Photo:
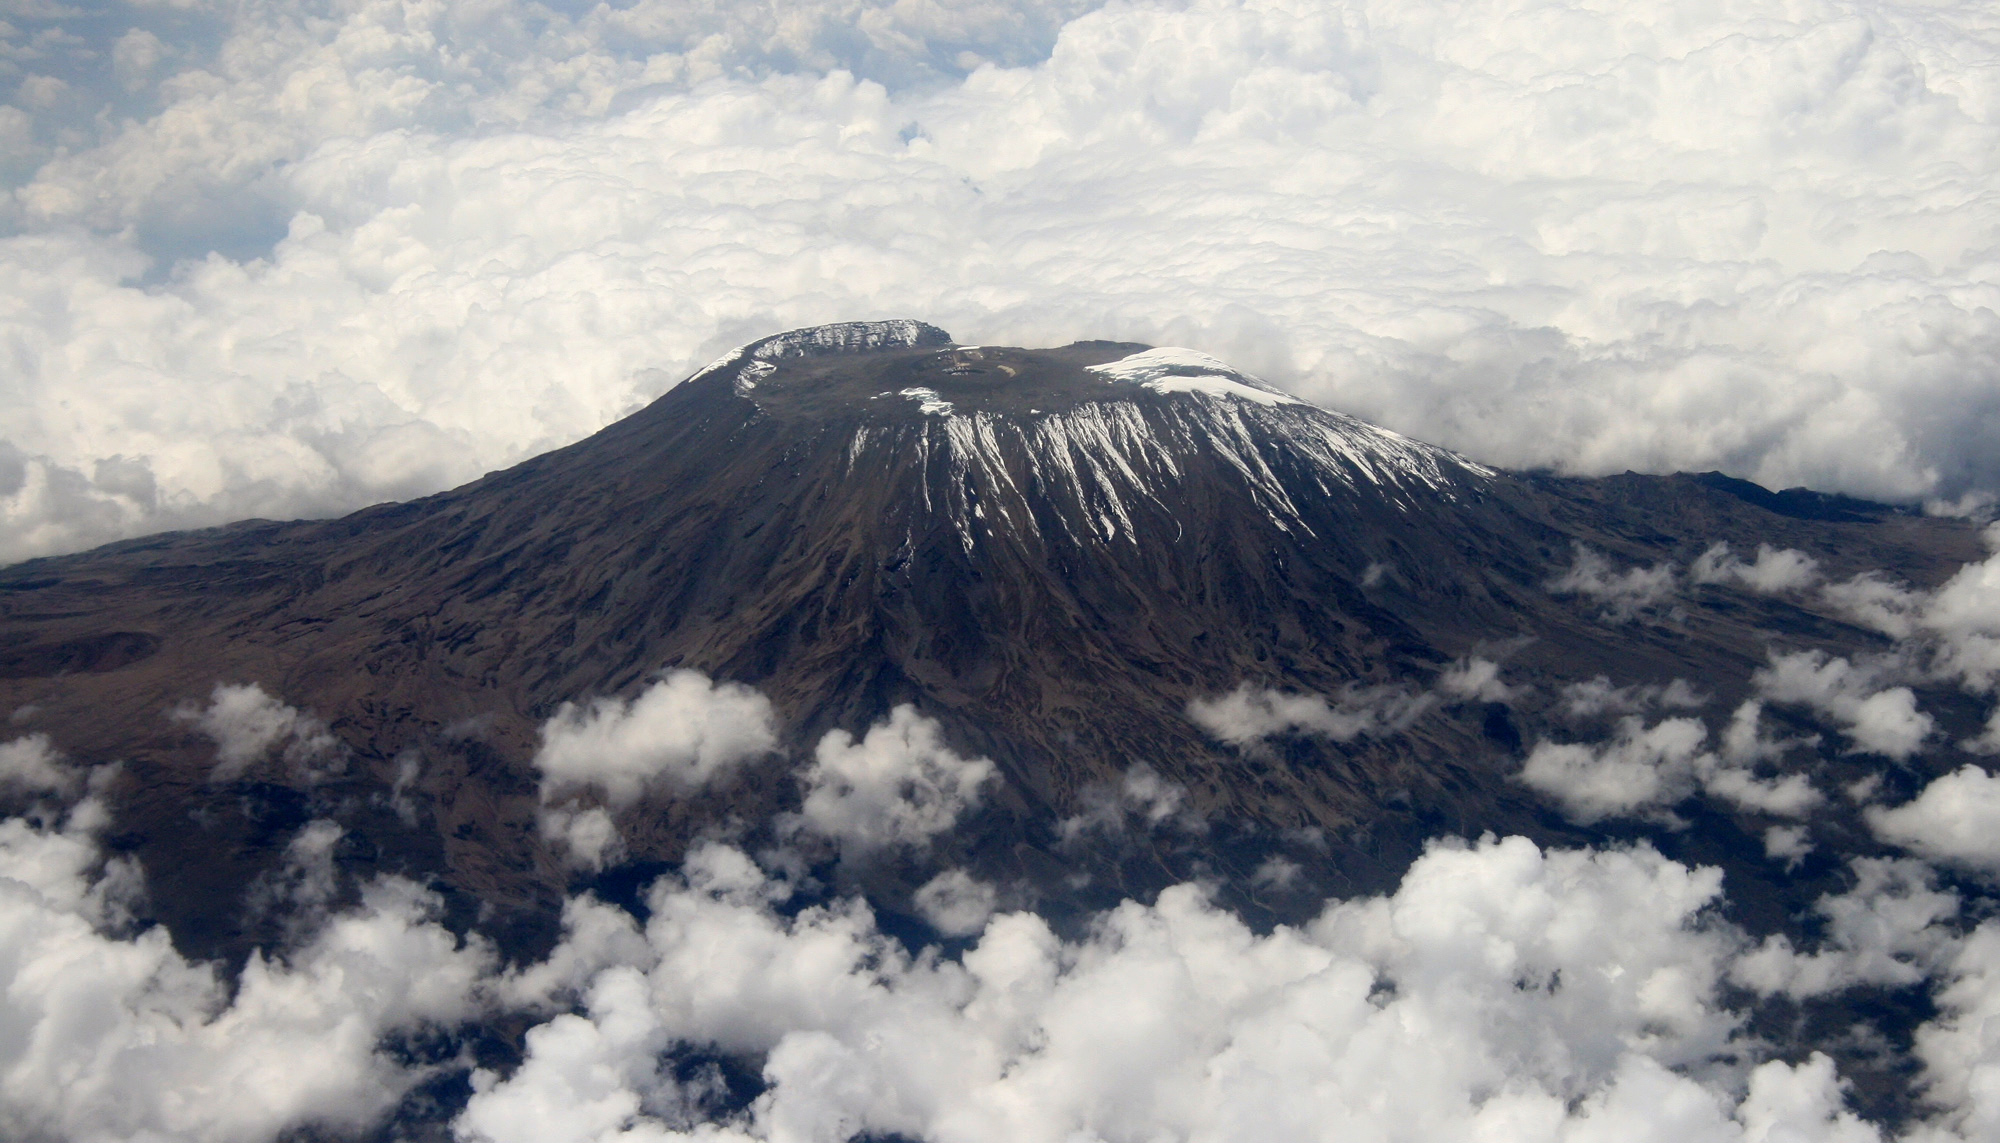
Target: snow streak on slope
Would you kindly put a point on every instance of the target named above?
(1100, 470)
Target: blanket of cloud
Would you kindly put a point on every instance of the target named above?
(1502, 992)
(278, 258)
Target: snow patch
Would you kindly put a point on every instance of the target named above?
(928, 401)
(1171, 369)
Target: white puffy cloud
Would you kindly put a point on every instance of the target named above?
(1880, 719)
(1886, 930)
(587, 834)
(1501, 992)
(1956, 819)
(1644, 769)
(1475, 679)
(680, 734)
(1961, 1056)
(116, 1036)
(1622, 595)
(1141, 797)
(247, 725)
(955, 903)
(32, 763)
(1964, 617)
(1776, 570)
(1957, 626)
(269, 259)
(1248, 714)
(307, 880)
(1597, 696)
(899, 785)
(1789, 844)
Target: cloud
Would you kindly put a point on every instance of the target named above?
(1890, 929)
(31, 763)
(1961, 1058)
(1880, 720)
(117, 1036)
(1776, 571)
(1956, 627)
(1955, 820)
(1645, 769)
(587, 835)
(1624, 595)
(1141, 797)
(1501, 988)
(955, 903)
(1248, 714)
(1789, 844)
(680, 734)
(265, 260)
(246, 725)
(300, 890)
(1597, 696)
(1475, 680)
(899, 785)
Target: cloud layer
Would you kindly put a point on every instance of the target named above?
(275, 259)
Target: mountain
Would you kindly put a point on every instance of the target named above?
(1052, 552)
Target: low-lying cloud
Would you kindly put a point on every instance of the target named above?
(114, 1035)
(680, 734)
(1501, 988)
(898, 785)
(251, 727)
(271, 260)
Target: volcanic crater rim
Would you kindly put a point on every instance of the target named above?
(909, 383)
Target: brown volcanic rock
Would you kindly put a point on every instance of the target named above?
(1052, 560)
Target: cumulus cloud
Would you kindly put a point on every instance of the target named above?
(1500, 988)
(1888, 929)
(1960, 1055)
(1248, 714)
(117, 1036)
(1789, 844)
(588, 836)
(1475, 679)
(1880, 719)
(32, 763)
(1645, 769)
(899, 785)
(306, 882)
(1775, 571)
(1956, 627)
(680, 733)
(275, 259)
(1642, 767)
(1597, 696)
(1141, 798)
(247, 725)
(1623, 595)
(1956, 819)
(955, 903)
